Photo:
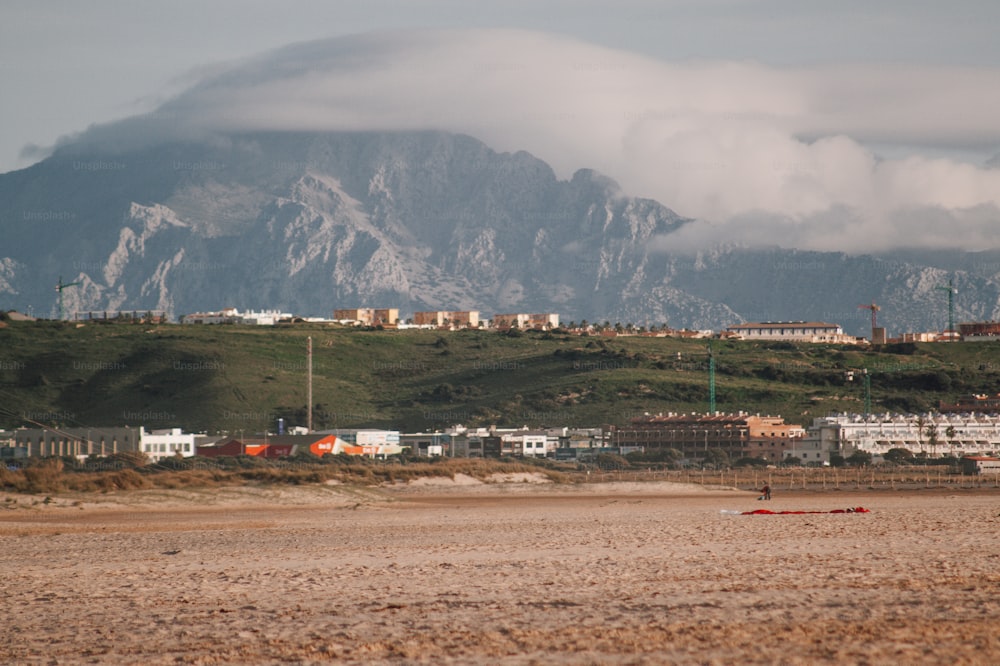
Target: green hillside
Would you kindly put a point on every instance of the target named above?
(232, 378)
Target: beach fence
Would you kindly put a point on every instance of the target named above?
(825, 478)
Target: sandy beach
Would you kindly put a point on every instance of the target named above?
(503, 573)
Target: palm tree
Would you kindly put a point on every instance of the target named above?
(921, 423)
(949, 432)
(932, 437)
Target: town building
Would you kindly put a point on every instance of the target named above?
(980, 465)
(693, 436)
(234, 316)
(468, 442)
(370, 443)
(933, 435)
(975, 403)
(9, 450)
(988, 331)
(792, 331)
(167, 443)
(428, 444)
(78, 442)
(544, 322)
(447, 319)
(367, 316)
(926, 336)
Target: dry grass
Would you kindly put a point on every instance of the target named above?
(52, 475)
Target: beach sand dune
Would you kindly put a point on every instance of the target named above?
(512, 573)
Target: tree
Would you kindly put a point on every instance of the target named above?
(859, 459)
(921, 424)
(898, 455)
(949, 433)
(932, 437)
(717, 458)
(610, 461)
(750, 461)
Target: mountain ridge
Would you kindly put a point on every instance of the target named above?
(308, 222)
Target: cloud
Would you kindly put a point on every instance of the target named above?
(760, 154)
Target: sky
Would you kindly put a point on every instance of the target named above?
(843, 126)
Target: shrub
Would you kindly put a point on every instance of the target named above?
(125, 479)
(46, 477)
(13, 480)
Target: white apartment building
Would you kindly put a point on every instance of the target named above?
(542, 321)
(792, 331)
(234, 316)
(167, 443)
(935, 435)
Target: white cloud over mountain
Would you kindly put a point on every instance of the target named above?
(761, 154)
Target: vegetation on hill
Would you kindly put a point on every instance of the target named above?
(243, 378)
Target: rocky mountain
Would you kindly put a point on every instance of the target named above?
(308, 222)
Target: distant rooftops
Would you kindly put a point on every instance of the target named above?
(785, 325)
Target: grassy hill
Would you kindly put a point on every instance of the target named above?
(233, 378)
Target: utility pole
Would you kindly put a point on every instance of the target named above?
(309, 384)
(711, 380)
(868, 392)
(867, 382)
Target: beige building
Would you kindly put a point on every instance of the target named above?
(740, 435)
(368, 316)
(446, 319)
(78, 442)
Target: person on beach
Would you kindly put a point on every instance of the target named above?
(765, 492)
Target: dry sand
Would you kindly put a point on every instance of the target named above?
(504, 573)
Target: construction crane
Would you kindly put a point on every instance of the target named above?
(60, 286)
(951, 306)
(874, 308)
(711, 379)
(867, 380)
(711, 375)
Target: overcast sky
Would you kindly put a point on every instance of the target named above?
(781, 118)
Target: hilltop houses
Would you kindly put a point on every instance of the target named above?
(792, 331)
(543, 322)
(447, 320)
(234, 316)
(386, 317)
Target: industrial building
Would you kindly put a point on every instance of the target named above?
(78, 442)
